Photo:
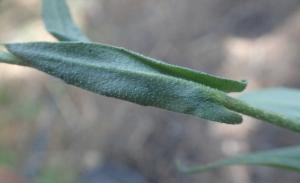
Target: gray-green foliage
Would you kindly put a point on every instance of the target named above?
(123, 74)
(120, 73)
(198, 93)
(288, 158)
(280, 100)
(59, 23)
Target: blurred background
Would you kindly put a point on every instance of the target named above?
(52, 132)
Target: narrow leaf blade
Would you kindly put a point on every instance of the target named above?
(280, 100)
(286, 158)
(123, 74)
(59, 23)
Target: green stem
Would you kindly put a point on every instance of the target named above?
(270, 117)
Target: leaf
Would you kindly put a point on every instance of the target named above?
(123, 74)
(286, 158)
(59, 22)
(280, 100)
(6, 57)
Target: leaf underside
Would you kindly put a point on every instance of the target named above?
(123, 74)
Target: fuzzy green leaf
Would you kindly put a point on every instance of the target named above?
(286, 158)
(123, 74)
(280, 100)
(59, 22)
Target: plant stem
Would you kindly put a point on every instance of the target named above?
(268, 116)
